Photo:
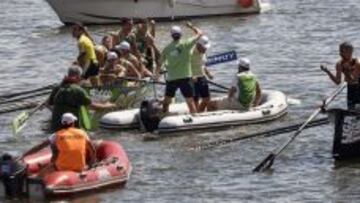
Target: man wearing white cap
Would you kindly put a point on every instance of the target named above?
(201, 73)
(125, 50)
(112, 70)
(176, 57)
(245, 91)
(70, 147)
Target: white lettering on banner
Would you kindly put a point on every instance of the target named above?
(350, 130)
(221, 58)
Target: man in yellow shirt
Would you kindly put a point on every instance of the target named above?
(87, 57)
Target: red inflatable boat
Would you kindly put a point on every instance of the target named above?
(113, 168)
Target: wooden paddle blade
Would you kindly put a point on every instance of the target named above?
(19, 122)
(265, 164)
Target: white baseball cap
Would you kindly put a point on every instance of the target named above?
(124, 45)
(204, 42)
(111, 55)
(244, 62)
(68, 118)
(175, 30)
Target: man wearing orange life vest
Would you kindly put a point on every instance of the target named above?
(70, 147)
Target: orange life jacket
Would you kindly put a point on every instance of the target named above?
(71, 146)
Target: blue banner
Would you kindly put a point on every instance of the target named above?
(221, 58)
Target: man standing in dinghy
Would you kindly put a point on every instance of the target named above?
(201, 73)
(70, 97)
(245, 91)
(71, 148)
(350, 67)
(177, 59)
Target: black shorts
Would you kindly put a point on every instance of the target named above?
(201, 87)
(93, 70)
(186, 87)
(353, 95)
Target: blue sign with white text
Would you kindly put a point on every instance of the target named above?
(221, 58)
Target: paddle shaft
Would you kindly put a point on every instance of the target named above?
(38, 107)
(163, 83)
(267, 133)
(218, 85)
(268, 161)
(25, 97)
(27, 92)
(19, 106)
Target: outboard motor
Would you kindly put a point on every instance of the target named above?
(13, 176)
(151, 114)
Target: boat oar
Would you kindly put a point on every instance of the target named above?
(47, 87)
(24, 97)
(19, 106)
(218, 85)
(19, 121)
(267, 133)
(163, 83)
(269, 160)
(142, 80)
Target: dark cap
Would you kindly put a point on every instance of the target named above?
(126, 21)
(346, 45)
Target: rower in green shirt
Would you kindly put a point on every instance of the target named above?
(245, 90)
(176, 57)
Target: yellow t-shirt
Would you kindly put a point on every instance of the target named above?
(86, 46)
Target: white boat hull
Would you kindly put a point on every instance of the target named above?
(274, 106)
(110, 11)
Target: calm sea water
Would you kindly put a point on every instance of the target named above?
(286, 46)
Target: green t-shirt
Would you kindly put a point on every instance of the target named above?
(197, 62)
(177, 59)
(67, 98)
(246, 88)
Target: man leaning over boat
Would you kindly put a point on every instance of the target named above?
(69, 96)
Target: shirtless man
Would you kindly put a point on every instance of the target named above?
(112, 69)
(350, 68)
(124, 48)
(126, 33)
